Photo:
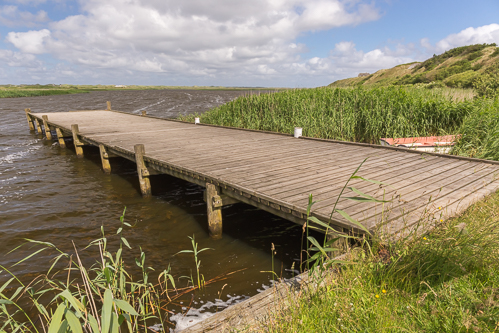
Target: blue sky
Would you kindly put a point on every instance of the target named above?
(289, 43)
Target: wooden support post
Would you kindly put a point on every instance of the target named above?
(341, 243)
(78, 144)
(38, 127)
(30, 121)
(60, 137)
(106, 166)
(144, 113)
(108, 106)
(46, 127)
(214, 208)
(145, 183)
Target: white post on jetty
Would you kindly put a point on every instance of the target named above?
(298, 132)
(196, 120)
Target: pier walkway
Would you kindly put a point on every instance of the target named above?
(277, 172)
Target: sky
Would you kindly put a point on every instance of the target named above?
(264, 43)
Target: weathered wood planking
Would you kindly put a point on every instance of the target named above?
(277, 172)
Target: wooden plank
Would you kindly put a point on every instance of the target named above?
(334, 173)
(229, 159)
(431, 200)
(358, 211)
(407, 183)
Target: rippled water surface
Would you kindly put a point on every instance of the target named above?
(47, 194)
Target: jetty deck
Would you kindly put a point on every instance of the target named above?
(277, 172)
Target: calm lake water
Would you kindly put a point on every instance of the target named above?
(47, 194)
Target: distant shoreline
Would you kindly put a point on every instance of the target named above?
(11, 91)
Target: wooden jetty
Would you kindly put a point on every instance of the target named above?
(277, 172)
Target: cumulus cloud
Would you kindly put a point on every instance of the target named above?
(29, 42)
(194, 37)
(484, 34)
(218, 41)
(18, 59)
(11, 16)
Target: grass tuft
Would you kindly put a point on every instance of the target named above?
(444, 281)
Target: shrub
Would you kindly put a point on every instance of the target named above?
(487, 85)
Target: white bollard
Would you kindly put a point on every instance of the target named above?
(196, 120)
(298, 131)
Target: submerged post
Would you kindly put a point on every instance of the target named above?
(30, 121)
(144, 113)
(145, 183)
(78, 144)
(38, 127)
(104, 156)
(60, 137)
(108, 106)
(214, 208)
(46, 126)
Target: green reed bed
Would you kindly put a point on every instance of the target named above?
(361, 115)
(12, 93)
(480, 131)
(444, 281)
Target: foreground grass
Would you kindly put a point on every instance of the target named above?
(443, 281)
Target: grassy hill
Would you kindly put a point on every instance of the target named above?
(461, 67)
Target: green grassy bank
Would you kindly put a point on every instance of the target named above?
(366, 115)
(9, 91)
(444, 281)
(12, 93)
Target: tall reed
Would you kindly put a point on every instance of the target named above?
(361, 115)
(479, 133)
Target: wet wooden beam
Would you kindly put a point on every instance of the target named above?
(30, 121)
(214, 208)
(78, 144)
(60, 137)
(104, 156)
(145, 183)
(46, 127)
(38, 127)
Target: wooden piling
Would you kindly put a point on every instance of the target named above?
(30, 121)
(60, 137)
(108, 106)
(214, 208)
(144, 113)
(341, 244)
(38, 127)
(106, 166)
(46, 127)
(78, 144)
(145, 184)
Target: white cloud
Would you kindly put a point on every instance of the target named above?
(29, 42)
(210, 38)
(11, 16)
(484, 34)
(18, 59)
